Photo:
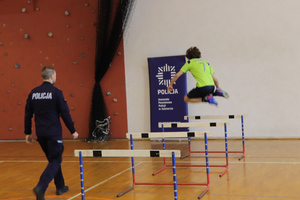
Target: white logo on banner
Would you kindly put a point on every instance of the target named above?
(160, 75)
(169, 71)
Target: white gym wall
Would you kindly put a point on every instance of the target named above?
(253, 46)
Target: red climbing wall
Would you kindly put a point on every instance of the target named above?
(62, 34)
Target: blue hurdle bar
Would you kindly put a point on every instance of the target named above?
(174, 176)
(81, 176)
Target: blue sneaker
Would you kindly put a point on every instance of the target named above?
(221, 93)
(210, 99)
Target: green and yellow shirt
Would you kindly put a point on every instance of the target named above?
(201, 71)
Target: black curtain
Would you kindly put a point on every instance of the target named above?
(113, 16)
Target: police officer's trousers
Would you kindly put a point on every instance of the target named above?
(53, 150)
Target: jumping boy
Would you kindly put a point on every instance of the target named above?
(207, 84)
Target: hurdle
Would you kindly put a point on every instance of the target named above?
(130, 153)
(164, 135)
(220, 117)
(200, 124)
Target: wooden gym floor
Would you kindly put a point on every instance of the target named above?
(270, 170)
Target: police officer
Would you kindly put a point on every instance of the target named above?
(47, 103)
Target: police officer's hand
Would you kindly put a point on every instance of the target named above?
(75, 135)
(170, 88)
(29, 139)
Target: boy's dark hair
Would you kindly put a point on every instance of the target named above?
(193, 52)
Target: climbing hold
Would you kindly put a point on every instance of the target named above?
(10, 129)
(50, 34)
(83, 55)
(23, 10)
(68, 25)
(86, 4)
(71, 95)
(67, 13)
(26, 36)
(1, 43)
(116, 113)
(119, 53)
(13, 85)
(115, 100)
(5, 54)
(80, 85)
(82, 38)
(108, 93)
(17, 66)
(75, 62)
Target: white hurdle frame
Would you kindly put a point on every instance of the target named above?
(201, 124)
(198, 117)
(129, 153)
(164, 135)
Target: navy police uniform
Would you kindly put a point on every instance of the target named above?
(47, 103)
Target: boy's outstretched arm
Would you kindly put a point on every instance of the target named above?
(215, 81)
(170, 88)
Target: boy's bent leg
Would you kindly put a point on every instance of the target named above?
(221, 93)
(192, 100)
(210, 99)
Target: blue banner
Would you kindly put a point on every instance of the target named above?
(167, 106)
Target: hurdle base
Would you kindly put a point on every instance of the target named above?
(120, 194)
(182, 157)
(171, 184)
(157, 172)
(242, 156)
(203, 193)
(224, 172)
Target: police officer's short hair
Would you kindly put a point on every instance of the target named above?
(47, 72)
(193, 52)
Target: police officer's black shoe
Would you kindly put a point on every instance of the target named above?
(39, 193)
(63, 190)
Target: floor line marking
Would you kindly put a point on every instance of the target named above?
(104, 181)
(178, 162)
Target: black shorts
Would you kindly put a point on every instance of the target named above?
(201, 92)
